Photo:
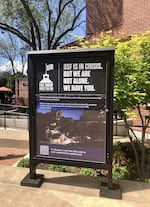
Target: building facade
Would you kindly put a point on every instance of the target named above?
(21, 91)
(124, 17)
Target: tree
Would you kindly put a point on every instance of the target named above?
(3, 80)
(11, 51)
(131, 86)
(8, 51)
(132, 91)
(8, 80)
(41, 24)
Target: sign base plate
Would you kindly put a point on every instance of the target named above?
(114, 192)
(32, 182)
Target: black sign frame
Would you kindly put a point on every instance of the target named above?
(105, 54)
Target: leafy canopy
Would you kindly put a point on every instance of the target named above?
(43, 24)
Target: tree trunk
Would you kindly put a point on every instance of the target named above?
(137, 156)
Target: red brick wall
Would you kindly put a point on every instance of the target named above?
(136, 16)
(125, 16)
(137, 120)
(103, 15)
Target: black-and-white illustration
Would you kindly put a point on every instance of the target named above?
(46, 85)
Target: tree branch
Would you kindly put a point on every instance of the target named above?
(137, 160)
(49, 24)
(72, 27)
(16, 32)
(33, 21)
(33, 37)
(60, 12)
(139, 111)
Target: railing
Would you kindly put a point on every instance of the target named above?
(119, 127)
(14, 116)
(17, 116)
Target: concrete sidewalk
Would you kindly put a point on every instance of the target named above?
(58, 189)
(66, 190)
(14, 134)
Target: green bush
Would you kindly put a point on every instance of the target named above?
(120, 172)
(88, 172)
(24, 163)
(123, 157)
(60, 168)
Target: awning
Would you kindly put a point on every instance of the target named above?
(5, 89)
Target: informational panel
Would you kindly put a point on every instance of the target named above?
(68, 97)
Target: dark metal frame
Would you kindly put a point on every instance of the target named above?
(32, 179)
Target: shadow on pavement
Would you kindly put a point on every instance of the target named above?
(11, 156)
(94, 182)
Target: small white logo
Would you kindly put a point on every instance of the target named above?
(46, 84)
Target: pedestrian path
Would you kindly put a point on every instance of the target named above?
(14, 134)
(66, 190)
(58, 189)
(9, 156)
(14, 144)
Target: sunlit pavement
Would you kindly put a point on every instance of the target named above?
(66, 190)
(14, 144)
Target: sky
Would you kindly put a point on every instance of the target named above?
(5, 66)
(4, 63)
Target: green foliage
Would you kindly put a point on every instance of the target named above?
(60, 168)
(123, 156)
(123, 164)
(132, 72)
(121, 173)
(148, 180)
(132, 67)
(24, 163)
(3, 81)
(131, 83)
(105, 39)
(8, 80)
(88, 172)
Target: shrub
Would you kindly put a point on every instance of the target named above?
(24, 163)
(60, 168)
(88, 172)
(123, 157)
(121, 172)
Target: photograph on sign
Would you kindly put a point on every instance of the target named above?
(71, 133)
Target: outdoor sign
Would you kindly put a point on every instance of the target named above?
(70, 100)
(71, 112)
(70, 90)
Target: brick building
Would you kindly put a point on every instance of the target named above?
(137, 119)
(21, 91)
(120, 16)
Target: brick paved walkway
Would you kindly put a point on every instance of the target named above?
(9, 156)
(13, 145)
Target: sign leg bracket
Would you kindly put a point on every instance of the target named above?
(36, 181)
